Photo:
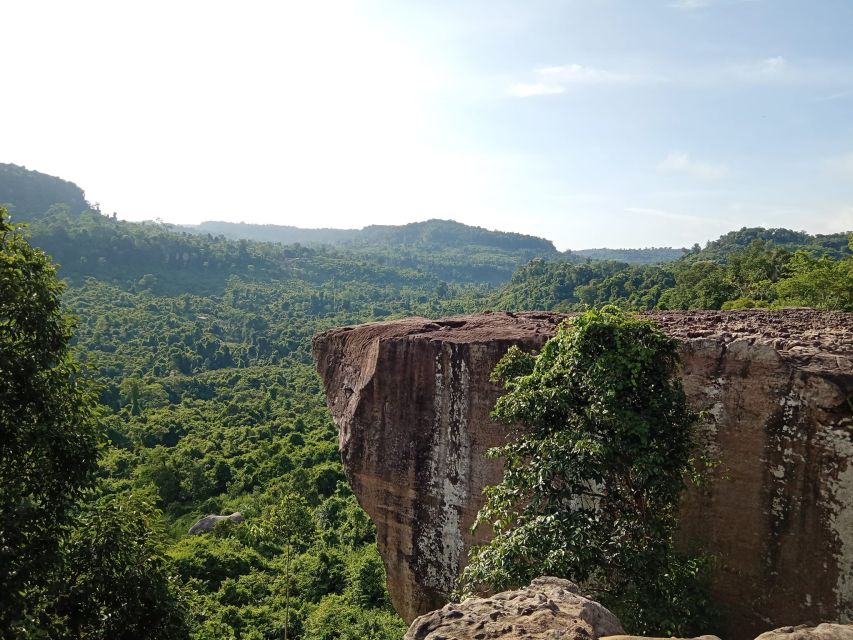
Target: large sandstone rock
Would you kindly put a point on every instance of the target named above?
(549, 608)
(412, 400)
(823, 631)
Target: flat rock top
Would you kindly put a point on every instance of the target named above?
(478, 327)
(802, 332)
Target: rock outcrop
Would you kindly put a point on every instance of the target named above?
(825, 631)
(412, 400)
(207, 523)
(549, 608)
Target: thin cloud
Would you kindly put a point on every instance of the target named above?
(680, 162)
(558, 79)
(689, 5)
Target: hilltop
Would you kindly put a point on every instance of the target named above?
(28, 194)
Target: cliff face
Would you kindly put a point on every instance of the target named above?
(412, 400)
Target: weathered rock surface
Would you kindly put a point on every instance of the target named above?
(650, 638)
(549, 608)
(823, 631)
(208, 522)
(412, 400)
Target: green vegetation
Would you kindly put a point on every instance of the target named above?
(29, 194)
(71, 565)
(651, 255)
(729, 274)
(445, 249)
(600, 446)
(209, 402)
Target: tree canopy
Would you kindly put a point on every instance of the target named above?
(49, 437)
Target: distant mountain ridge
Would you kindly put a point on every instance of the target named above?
(434, 232)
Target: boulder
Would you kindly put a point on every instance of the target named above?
(208, 522)
(825, 631)
(548, 608)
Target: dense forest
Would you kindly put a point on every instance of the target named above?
(198, 348)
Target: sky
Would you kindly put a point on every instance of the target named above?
(620, 123)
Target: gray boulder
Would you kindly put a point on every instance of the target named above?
(208, 522)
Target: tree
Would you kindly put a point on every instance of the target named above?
(600, 445)
(819, 282)
(287, 523)
(115, 582)
(49, 437)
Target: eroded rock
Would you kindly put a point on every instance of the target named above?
(825, 631)
(412, 400)
(548, 608)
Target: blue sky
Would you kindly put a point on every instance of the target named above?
(618, 123)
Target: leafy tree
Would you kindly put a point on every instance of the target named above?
(336, 618)
(115, 583)
(287, 523)
(49, 436)
(819, 282)
(601, 440)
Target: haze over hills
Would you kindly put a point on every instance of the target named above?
(31, 194)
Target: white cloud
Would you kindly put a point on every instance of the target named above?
(680, 162)
(690, 5)
(775, 64)
(558, 79)
(580, 74)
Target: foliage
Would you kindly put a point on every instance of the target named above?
(115, 582)
(49, 436)
(725, 275)
(817, 282)
(601, 439)
(649, 255)
(448, 250)
(210, 401)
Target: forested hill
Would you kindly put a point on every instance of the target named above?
(746, 268)
(430, 234)
(834, 245)
(28, 195)
(449, 250)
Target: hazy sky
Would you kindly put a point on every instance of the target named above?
(590, 122)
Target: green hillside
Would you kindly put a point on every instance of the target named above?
(746, 268)
(29, 194)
